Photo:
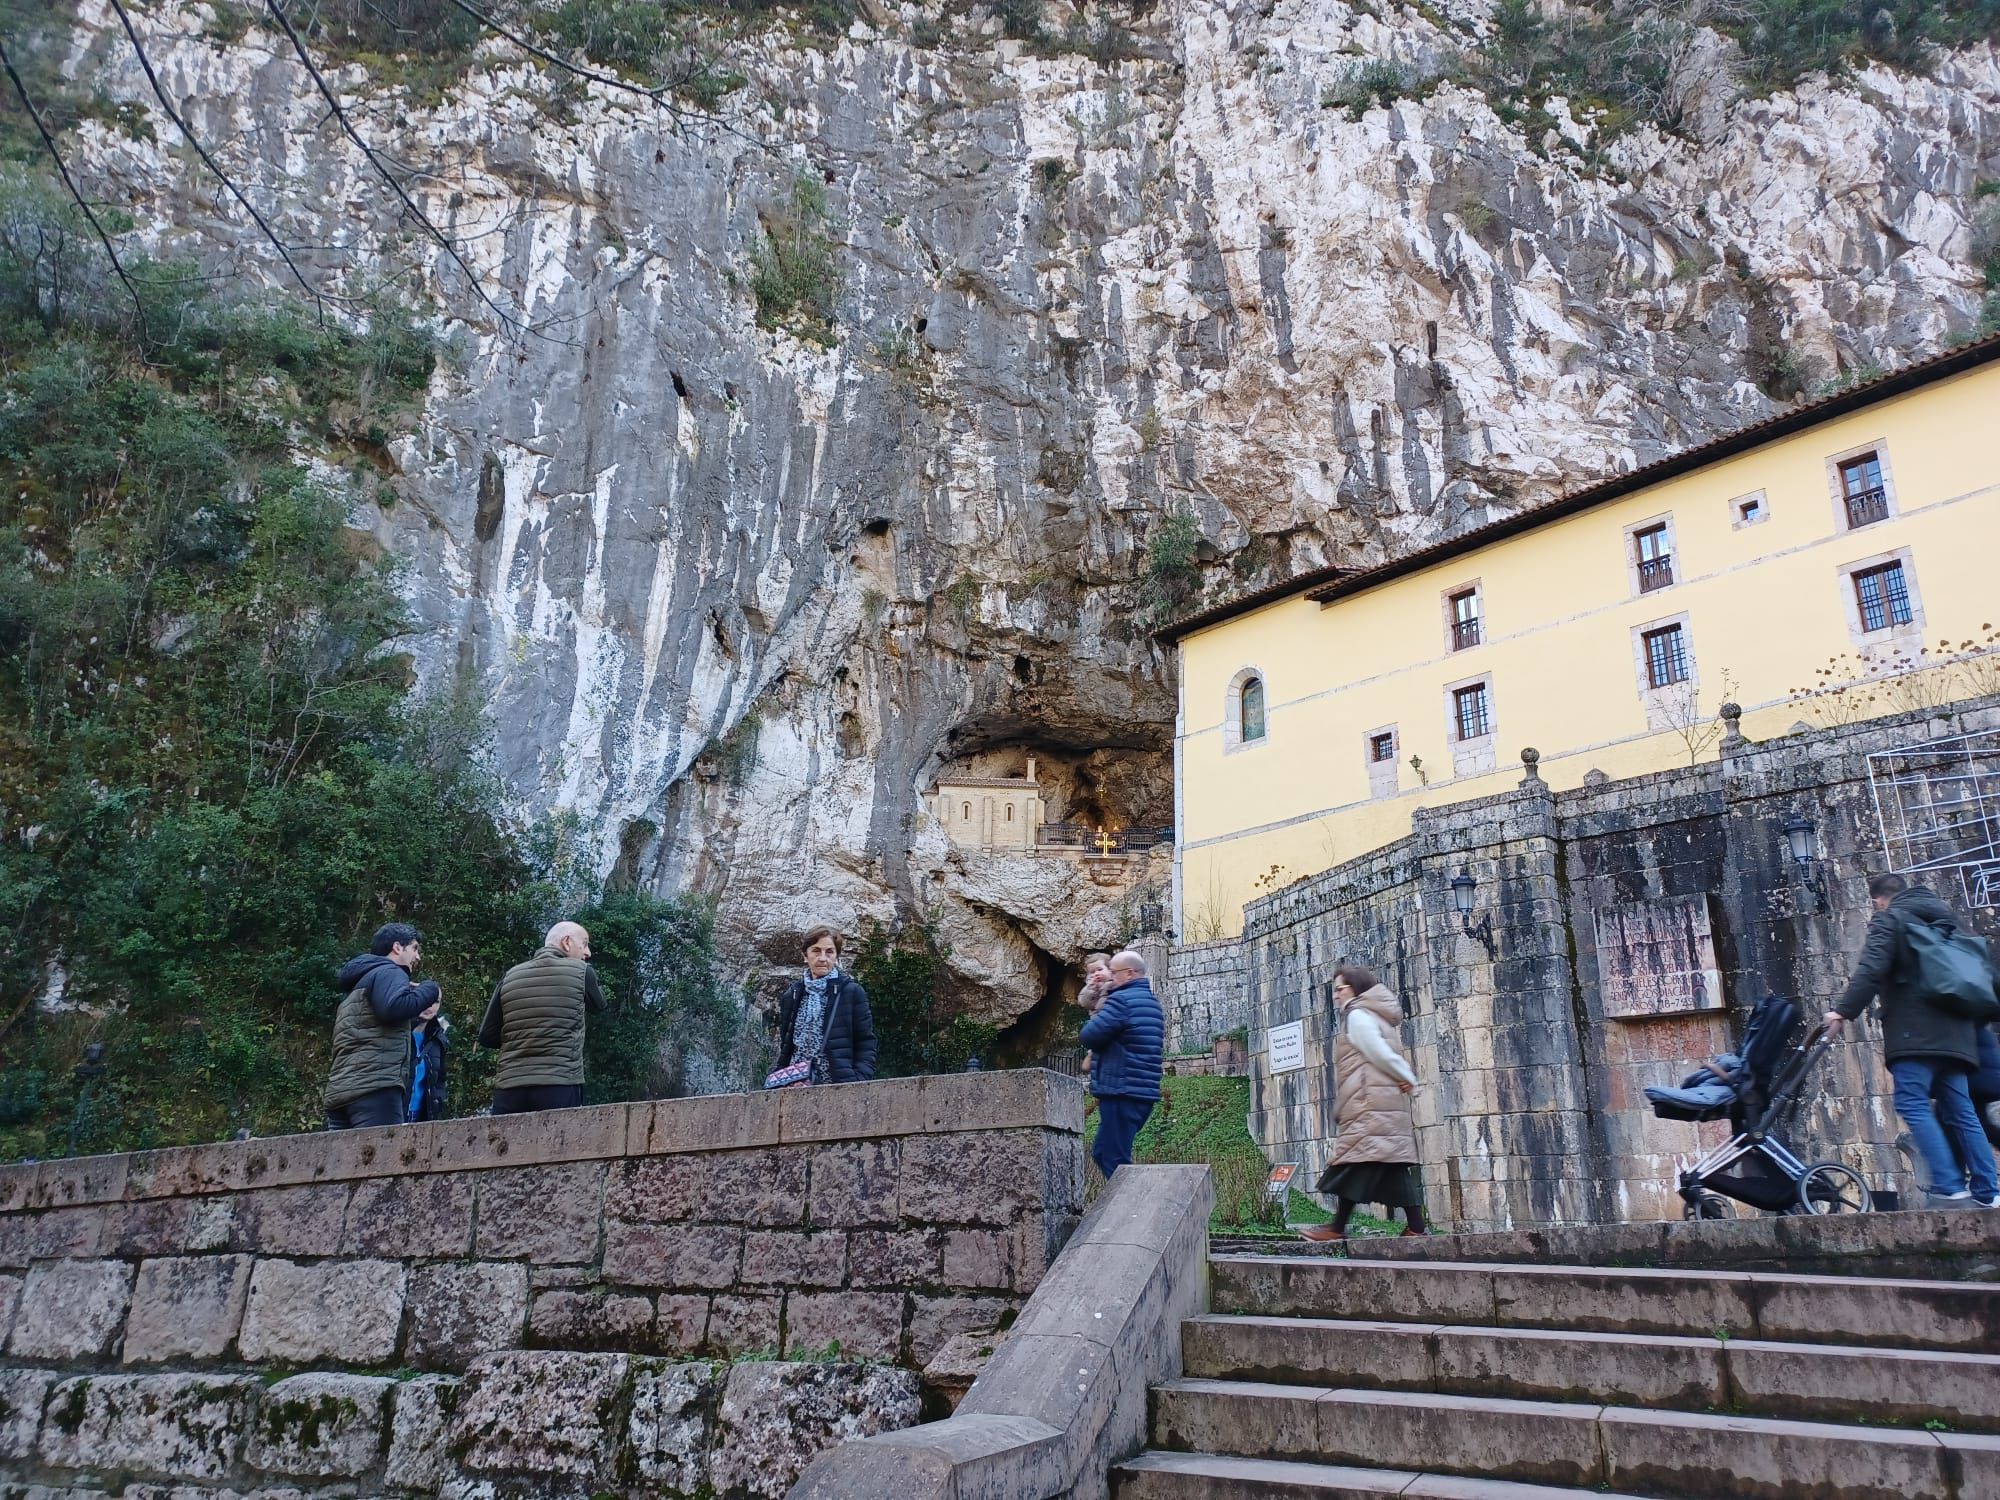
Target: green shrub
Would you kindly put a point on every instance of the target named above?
(793, 276)
(214, 779)
(918, 1027)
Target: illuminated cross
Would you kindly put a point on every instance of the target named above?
(1105, 843)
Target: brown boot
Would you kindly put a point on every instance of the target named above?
(1411, 1232)
(1321, 1234)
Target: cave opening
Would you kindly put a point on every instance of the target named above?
(1048, 1026)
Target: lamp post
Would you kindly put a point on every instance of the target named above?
(1802, 844)
(1463, 890)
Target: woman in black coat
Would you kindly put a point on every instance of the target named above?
(825, 1018)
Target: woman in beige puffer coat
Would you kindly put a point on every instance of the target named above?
(1374, 1156)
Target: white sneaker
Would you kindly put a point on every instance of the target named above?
(1993, 1202)
(1958, 1200)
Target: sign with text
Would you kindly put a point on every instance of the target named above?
(1657, 958)
(1288, 1047)
(1280, 1181)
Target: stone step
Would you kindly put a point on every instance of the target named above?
(1945, 1315)
(1759, 1377)
(1155, 1475)
(1575, 1444)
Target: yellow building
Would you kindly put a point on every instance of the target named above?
(1839, 560)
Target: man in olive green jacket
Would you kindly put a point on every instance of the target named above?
(536, 1020)
(369, 1081)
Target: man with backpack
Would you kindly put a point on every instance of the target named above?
(1936, 985)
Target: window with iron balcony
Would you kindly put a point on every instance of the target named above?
(1862, 488)
(1469, 714)
(1655, 558)
(1464, 619)
(1883, 597)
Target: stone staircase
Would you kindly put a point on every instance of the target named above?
(1323, 1379)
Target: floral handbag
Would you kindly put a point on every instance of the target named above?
(791, 1076)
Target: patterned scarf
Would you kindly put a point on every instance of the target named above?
(809, 1029)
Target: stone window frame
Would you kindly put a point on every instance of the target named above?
(1837, 491)
(1738, 521)
(1232, 711)
(1383, 775)
(1907, 638)
(1631, 545)
(1475, 587)
(1477, 755)
(1672, 706)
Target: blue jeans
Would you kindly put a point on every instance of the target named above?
(1119, 1121)
(1949, 1127)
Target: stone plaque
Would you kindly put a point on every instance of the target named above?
(1288, 1046)
(1657, 958)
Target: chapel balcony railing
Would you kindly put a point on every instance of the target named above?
(1098, 841)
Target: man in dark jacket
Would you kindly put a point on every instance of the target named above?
(536, 1020)
(369, 1080)
(1127, 1040)
(1929, 1049)
(825, 1018)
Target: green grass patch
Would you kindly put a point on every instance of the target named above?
(1205, 1119)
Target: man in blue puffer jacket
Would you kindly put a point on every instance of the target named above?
(1127, 1039)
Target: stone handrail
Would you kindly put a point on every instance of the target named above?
(1065, 1394)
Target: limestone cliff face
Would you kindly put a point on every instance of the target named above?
(735, 597)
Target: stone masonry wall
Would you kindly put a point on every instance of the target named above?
(557, 1304)
(1205, 994)
(1533, 1110)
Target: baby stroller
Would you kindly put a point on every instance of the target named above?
(1758, 1091)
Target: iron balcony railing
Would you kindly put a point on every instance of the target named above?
(1867, 506)
(1464, 633)
(1116, 841)
(1655, 573)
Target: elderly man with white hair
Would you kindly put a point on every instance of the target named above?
(1127, 1041)
(536, 1020)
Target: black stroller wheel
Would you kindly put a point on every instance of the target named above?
(1828, 1187)
(1708, 1206)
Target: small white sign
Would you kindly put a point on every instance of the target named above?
(1288, 1047)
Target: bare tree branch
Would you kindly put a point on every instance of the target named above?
(382, 170)
(62, 167)
(188, 135)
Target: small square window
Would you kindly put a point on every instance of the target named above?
(1666, 656)
(1381, 748)
(1653, 549)
(1470, 713)
(1883, 596)
(1751, 509)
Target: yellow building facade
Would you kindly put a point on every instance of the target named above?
(1837, 561)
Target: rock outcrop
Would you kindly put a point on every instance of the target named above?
(734, 594)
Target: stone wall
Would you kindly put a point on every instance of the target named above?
(1534, 1055)
(558, 1301)
(1206, 993)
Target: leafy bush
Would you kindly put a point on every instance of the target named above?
(1173, 573)
(793, 276)
(214, 781)
(917, 1027)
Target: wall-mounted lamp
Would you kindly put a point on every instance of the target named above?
(1463, 889)
(1802, 844)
